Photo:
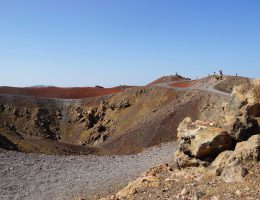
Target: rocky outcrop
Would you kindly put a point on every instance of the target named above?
(226, 150)
(242, 120)
(229, 164)
(244, 152)
(210, 142)
(120, 105)
(47, 121)
(213, 155)
(200, 140)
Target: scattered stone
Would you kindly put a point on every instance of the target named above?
(184, 192)
(165, 190)
(238, 192)
(79, 115)
(183, 161)
(82, 120)
(132, 187)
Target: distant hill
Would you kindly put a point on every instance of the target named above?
(60, 93)
(167, 79)
(38, 86)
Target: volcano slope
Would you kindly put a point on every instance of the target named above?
(116, 123)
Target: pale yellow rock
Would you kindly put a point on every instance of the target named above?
(209, 142)
(132, 187)
(222, 159)
(228, 164)
(238, 192)
(248, 150)
(187, 128)
(184, 192)
(243, 117)
(201, 139)
(244, 151)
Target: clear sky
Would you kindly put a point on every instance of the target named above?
(113, 42)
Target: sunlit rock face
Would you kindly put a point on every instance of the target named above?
(243, 117)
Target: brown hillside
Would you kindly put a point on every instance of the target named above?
(167, 79)
(120, 123)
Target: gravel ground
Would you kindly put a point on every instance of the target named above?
(32, 176)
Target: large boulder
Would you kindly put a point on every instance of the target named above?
(187, 128)
(200, 142)
(241, 125)
(209, 142)
(229, 164)
(248, 150)
(244, 151)
(203, 139)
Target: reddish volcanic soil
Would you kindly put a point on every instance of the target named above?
(57, 92)
(182, 84)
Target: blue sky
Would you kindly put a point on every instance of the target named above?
(113, 42)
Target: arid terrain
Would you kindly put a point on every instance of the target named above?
(88, 143)
(56, 121)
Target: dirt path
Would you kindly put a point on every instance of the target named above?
(32, 176)
(208, 87)
(212, 90)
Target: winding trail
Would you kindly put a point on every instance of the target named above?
(32, 176)
(202, 87)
